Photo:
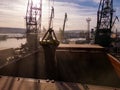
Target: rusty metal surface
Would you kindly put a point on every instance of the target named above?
(115, 63)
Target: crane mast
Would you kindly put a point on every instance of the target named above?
(33, 23)
(104, 23)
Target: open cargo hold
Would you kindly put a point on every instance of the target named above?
(74, 63)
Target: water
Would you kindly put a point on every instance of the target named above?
(12, 43)
(13, 35)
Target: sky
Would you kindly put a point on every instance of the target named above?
(12, 13)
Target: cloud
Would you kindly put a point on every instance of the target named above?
(96, 1)
(77, 10)
(77, 15)
(12, 13)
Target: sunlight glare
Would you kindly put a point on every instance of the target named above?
(36, 3)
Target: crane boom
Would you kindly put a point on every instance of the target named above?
(63, 31)
(65, 19)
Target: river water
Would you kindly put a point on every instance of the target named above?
(11, 43)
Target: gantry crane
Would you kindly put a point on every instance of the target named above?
(33, 22)
(105, 22)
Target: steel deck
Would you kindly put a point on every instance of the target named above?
(17, 83)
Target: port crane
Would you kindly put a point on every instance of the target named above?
(105, 23)
(62, 31)
(33, 23)
(64, 23)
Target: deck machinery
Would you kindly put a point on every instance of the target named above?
(105, 22)
(33, 23)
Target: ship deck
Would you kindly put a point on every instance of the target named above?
(18, 83)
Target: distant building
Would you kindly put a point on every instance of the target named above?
(75, 34)
(78, 36)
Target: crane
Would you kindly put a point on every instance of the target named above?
(105, 16)
(62, 31)
(33, 22)
(50, 34)
(65, 19)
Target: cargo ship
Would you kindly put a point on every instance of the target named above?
(50, 65)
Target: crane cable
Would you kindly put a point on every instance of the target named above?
(51, 10)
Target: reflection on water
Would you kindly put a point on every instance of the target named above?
(12, 43)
